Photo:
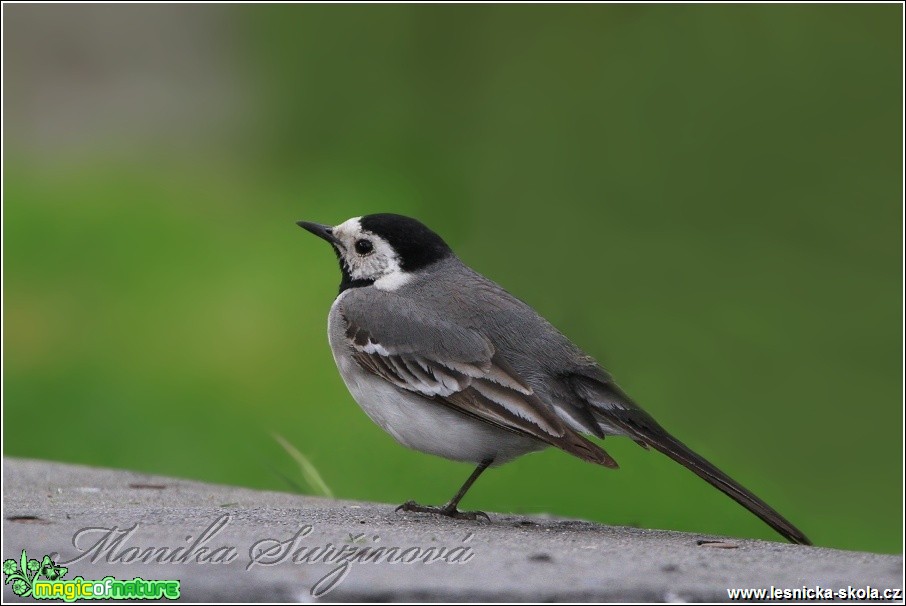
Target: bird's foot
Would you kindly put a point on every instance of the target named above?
(447, 510)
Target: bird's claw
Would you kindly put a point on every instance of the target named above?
(449, 511)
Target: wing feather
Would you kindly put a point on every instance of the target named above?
(459, 368)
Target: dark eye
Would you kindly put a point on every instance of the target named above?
(363, 247)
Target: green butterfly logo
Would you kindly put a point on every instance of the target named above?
(25, 572)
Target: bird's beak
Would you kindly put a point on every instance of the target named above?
(325, 232)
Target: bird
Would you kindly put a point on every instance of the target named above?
(449, 363)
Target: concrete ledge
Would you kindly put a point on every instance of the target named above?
(235, 544)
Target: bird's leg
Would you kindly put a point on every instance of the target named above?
(450, 509)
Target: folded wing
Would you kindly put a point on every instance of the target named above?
(418, 351)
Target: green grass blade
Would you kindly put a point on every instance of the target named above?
(309, 472)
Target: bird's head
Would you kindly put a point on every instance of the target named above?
(383, 249)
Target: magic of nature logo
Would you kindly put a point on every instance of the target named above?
(43, 580)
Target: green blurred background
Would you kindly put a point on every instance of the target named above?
(705, 198)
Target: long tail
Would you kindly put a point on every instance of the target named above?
(682, 454)
(613, 408)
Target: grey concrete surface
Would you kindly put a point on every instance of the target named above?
(237, 545)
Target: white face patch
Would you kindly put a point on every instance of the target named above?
(380, 264)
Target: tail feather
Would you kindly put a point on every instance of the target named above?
(683, 455)
(614, 408)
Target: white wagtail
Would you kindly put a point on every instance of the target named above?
(449, 363)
